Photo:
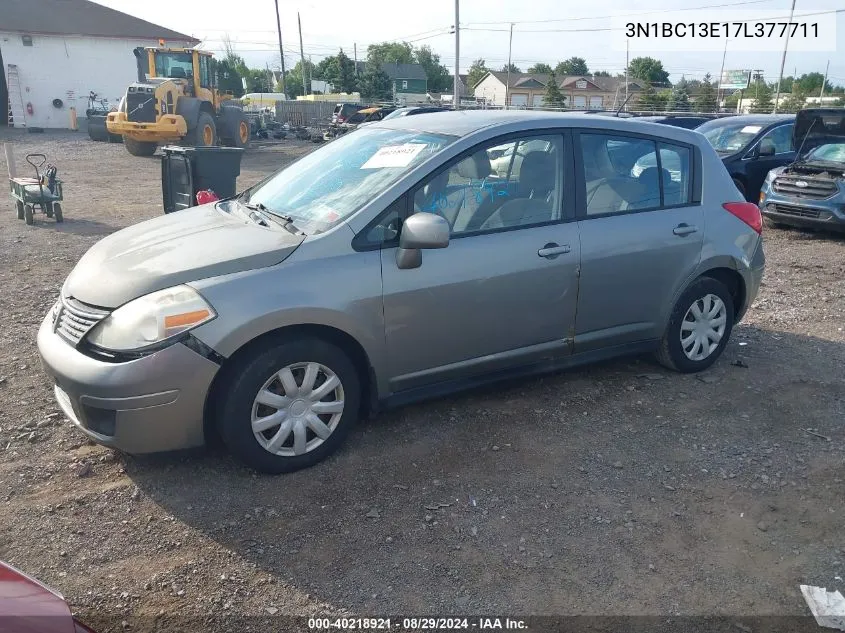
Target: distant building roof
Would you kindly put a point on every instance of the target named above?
(79, 17)
(532, 80)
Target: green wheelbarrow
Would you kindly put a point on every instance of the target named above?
(44, 191)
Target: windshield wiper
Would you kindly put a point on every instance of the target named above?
(260, 210)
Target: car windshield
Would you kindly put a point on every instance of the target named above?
(174, 65)
(330, 184)
(729, 136)
(395, 114)
(829, 153)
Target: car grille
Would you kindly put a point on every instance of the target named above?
(800, 212)
(141, 107)
(815, 189)
(75, 319)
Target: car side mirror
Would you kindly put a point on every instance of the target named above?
(767, 148)
(421, 231)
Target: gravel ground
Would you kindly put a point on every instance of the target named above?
(618, 489)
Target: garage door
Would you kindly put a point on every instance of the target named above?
(519, 100)
(595, 103)
(580, 103)
(537, 101)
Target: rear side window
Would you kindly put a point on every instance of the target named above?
(626, 174)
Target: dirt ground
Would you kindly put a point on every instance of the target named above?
(618, 489)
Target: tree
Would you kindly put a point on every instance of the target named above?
(293, 79)
(678, 99)
(661, 100)
(647, 97)
(732, 101)
(513, 68)
(258, 80)
(839, 103)
(228, 78)
(375, 84)
(785, 84)
(554, 97)
(439, 79)
(794, 102)
(572, 66)
(707, 100)
(601, 73)
(477, 70)
(811, 83)
(648, 69)
(337, 70)
(762, 103)
(540, 69)
(390, 53)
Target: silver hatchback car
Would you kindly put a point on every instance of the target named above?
(395, 264)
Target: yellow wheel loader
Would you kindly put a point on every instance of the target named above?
(176, 100)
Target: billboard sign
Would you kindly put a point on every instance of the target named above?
(735, 79)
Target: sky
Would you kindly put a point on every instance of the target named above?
(570, 29)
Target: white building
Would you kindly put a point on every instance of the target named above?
(53, 53)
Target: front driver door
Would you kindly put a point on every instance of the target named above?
(504, 291)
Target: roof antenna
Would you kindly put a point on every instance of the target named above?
(624, 103)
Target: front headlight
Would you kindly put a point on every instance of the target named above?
(774, 173)
(152, 319)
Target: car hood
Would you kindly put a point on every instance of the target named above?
(819, 126)
(180, 247)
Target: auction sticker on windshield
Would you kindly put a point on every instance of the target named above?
(750, 129)
(394, 156)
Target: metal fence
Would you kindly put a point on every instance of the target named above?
(304, 113)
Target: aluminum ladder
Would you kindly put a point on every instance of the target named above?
(17, 113)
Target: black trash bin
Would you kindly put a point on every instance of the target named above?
(187, 170)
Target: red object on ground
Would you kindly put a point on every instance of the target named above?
(28, 606)
(206, 196)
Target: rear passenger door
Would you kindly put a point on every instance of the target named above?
(641, 227)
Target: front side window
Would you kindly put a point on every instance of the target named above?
(498, 186)
(205, 75)
(781, 138)
(330, 184)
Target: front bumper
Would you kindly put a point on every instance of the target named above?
(801, 212)
(148, 405)
(169, 127)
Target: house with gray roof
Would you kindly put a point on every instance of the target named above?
(581, 92)
(54, 53)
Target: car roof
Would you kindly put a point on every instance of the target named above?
(466, 122)
(757, 119)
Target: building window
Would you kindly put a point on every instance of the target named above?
(404, 85)
(581, 84)
(27, 40)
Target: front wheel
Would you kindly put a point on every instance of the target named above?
(289, 406)
(699, 327)
(19, 209)
(28, 214)
(205, 132)
(139, 148)
(57, 212)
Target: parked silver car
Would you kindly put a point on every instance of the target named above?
(393, 264)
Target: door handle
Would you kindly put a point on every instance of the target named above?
(552, 250)
(684, 229)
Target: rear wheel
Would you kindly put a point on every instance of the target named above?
(28, 214)
(205, 132)
(699, 327)
(739, 185)
(139, 148)
(289, 406)
(19, 209)
(57, 211)
(238, 130)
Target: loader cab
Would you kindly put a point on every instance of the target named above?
(192, 69)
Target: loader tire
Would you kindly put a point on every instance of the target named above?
(204, 134)
(139, 148)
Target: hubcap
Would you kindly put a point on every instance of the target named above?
(703, 327)
(207, 135)
(297, 409)
(244, 132)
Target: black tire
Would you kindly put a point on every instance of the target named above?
(670, 354)
(196, 136)
(238, 130)
(19, 209)
(247, 377)
(771, 224)
(48, 209)
(739, 185)
(139, 148)
(28, 215)
(57, 212)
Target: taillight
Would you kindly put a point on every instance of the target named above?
(748, 212)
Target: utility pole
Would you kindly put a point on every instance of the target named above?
(508, 82)
(719, 81)
(824, 81)
(281, 50)
(758, 77)
(783, 61)
(355, 53)
(456, 97)
(305, 89)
